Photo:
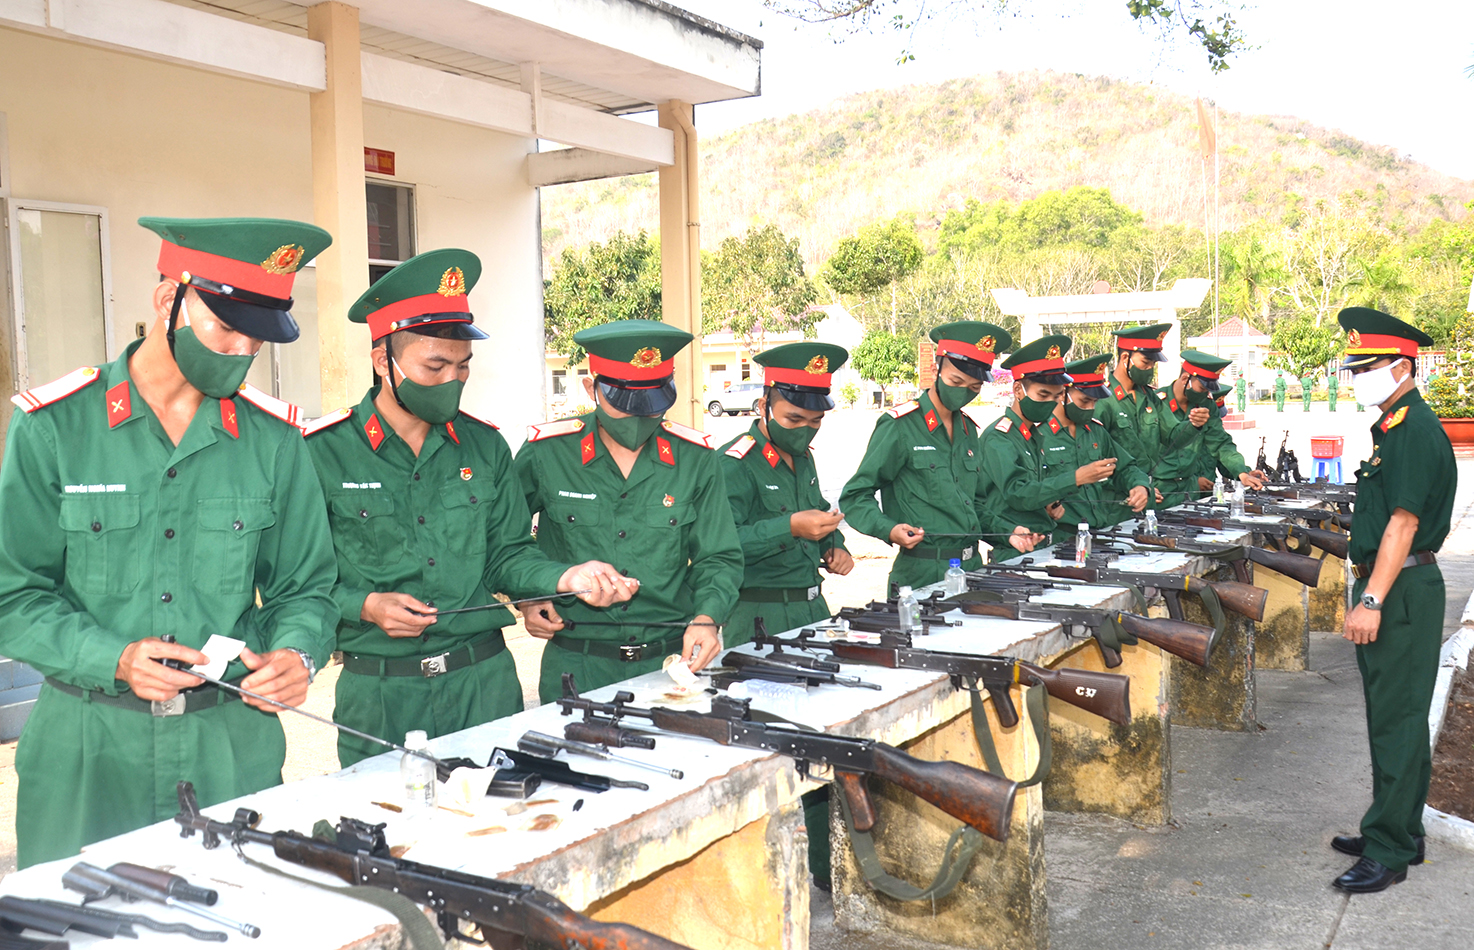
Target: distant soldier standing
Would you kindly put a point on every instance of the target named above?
(785, 525)
(1404, 501)
(1332, 384)
(1307, 388)
(1241, 386)
(1279, 390)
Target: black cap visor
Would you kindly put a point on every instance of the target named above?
(811, 398)
(262, 323)
(973, 368)
(1360, 360)
(1094, 392)
(448, 326)
(1048, 379)
(638, 398)
(1154, 354)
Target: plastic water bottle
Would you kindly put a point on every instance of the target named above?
(783, 699)
(1150, 525)
(1236, 504)
(955, 580)
(1218, 489)
(907, 610)
(1082, 544)
(417, 773)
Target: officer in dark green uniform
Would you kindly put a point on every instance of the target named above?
(923, 460)
(157, 495)
(426, 515)
(1404, 500)
(1191, 402)
(1074, 440)
(644, 493)
(783, 521)
(1131, 411)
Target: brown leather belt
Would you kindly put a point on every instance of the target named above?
(1360, 571)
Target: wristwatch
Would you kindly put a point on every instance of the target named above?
(307, 662)
(1370, 602)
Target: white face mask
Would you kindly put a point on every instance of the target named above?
(1375, 385)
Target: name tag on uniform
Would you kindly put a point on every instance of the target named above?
(923, 448)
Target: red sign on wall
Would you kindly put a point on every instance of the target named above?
(379, 161)
(926, 362)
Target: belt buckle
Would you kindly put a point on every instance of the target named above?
(967, 553)
(630, 652)
(813, 592)
(434, 665)
(168, 707)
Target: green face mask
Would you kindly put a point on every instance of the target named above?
(1142, 378)
(1078, 415)
(436, 404)
(1195, 398)
(631, 431)
(1034, 410)
(217, 375)
(953, 398)
(793, 441)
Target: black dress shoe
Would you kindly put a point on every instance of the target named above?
(1355, 844)
(1367, 877)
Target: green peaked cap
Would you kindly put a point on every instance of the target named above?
(641, 344)
(1044, 356)
(249, 240)
(820, 360)
(427, 289)
(1372, 335)
(976, 340)
(1151, 331)
(1089, 366)
(1201, 360)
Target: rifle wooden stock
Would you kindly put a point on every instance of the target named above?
(1197, 522)
(1298, 567)
(562, 926)
(1107, 695)
(1333, 543)
(1244, 599)
(1193, 642)
(981, 799)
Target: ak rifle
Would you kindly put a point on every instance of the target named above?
(1107, 695)
(506, 913)
(798, 670)
(980, 799)
(1243, 599)
(1299, 567)
(1333, 543)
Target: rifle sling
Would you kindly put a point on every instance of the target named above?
(957, 857)
(417, 927)
(1037, 707)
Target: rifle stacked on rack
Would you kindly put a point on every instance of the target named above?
(1278, 534)
(1244, 599)
(978, 798)
(1105, 694)
(879, 616)
(798, 670)
(1299, 567)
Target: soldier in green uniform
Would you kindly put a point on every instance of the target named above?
(1209, 466)
(1074, 440)
(1307, 389)
(1279, 390)
(1332, 385)
(643, 493)
(1197, 432)
(1131, 412)
(1404, 501)
(783, 521)
(923, 460)
(1241, 386)
(427, 515)
(157, 495)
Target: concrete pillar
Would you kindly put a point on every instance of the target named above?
(1222, 695)
(338, 204)
(680, 256)
(1282, 638)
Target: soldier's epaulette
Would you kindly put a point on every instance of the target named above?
(57, 389)
(547, 430)
(1119, 392)
(271, 405)
(741, 447)
(485, 422)
(896, 412)
(694, 436)
(327, 421)
(1394, 419)
(1004, 424)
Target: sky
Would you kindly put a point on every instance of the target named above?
(1391, 79)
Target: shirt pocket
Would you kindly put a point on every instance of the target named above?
(364, 532)
(465, 513)
(230, 534)
(102, 542)
(669, 532)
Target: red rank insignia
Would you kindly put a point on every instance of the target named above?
(1120, 393)
(450, 430)
(663, 452)
(119, 404)
(374, 431)
(771, 454)
(1027, 432)
(586, 444)
(931, 420)
(227, 418)
(1173, 404)
(1053, 424)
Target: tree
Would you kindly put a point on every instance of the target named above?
(1320, 260)
(617, 280)
(875, 259)
(885, 359)
(755, 284)
(1301, 345)
(1080, 217)
(1209, 23)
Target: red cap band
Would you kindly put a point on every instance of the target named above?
(618, 369)
(1033, 367)
(1088, 379)
(174, 261)
(1198, 370)
(381, 322)
(1378, 343)
(970, 350)
(795, 377)
(1134, 343)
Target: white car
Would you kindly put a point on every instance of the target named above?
(737, 398)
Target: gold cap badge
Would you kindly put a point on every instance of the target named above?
(1053, 353)
(1163, 335)
(284, 260)
(452, 283)
(987, 343)
(1354, 338)
(817, 365)
(645, 358)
